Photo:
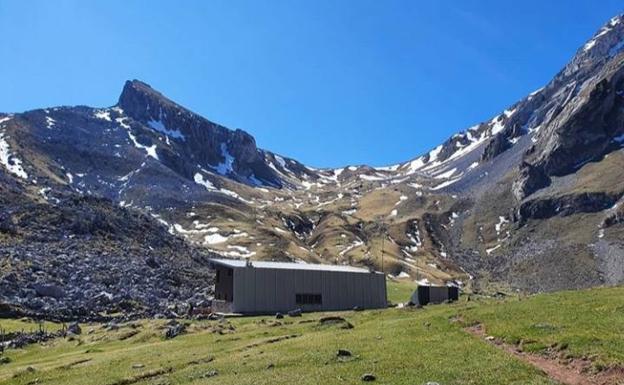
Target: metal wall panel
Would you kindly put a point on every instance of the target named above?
(424, 295)
(438, 294)
(272, 290)
(240, 295)
(284, 282)
(365, 293)
(262, 292)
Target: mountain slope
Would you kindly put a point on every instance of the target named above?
(67, 255)
(528, 200)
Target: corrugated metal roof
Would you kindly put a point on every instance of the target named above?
(289, 266)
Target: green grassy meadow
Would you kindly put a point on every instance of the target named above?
(27, 326)
(399, 346)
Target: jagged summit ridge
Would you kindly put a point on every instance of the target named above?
(466, 151)
(608, 39)
(231, 153)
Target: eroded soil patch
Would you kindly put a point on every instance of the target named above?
(571, 372)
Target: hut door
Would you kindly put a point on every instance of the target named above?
(423, 295)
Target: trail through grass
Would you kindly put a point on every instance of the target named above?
(398, 346)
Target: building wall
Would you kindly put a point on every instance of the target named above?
(275, 290)
(424, 294)
(438, 294)
(224, 283)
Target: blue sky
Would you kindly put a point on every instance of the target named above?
(329, 83)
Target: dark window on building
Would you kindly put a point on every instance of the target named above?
(308, 299)
(229, 272)
(218, 275)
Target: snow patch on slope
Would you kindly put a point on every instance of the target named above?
(356, 243)
(159, 126)
(50, 122)
(225, 167)
(603, 31)
(149, 150)
(446, 174)
(199, 179)
(8, 160)
(445, 184)
(103, 114)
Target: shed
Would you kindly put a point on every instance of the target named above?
(261, 287)
(425, 294)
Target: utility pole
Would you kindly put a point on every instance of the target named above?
(417, 270)
(382, 226)
(383, 236)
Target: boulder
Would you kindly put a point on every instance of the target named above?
(74, 328)
(174, 330)
(335, 320)
(343, 353)
(49, 290)
(211, 373)
(368, 377)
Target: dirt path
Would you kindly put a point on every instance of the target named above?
(574, 372)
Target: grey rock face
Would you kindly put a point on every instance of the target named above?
(584, 110)
(197, 140)
(531, 179)
(495, 147)
(567, 205)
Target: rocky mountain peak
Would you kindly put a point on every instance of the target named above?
(607, 41)
(143, 103)
(605, 44)
(195, 140)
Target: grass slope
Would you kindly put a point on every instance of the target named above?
(27, 326)
(586, 323)
(399, 291)
(399, 346)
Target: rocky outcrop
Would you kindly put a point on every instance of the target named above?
(585, 129)
(614, 218)
(501, 142)
(579, 113)
(530, 179)
(495, 147)
(300, 225)
(544, 208)
(196, 139)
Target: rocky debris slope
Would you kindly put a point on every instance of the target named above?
(83, 256)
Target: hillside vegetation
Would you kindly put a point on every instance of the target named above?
(397, 346)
